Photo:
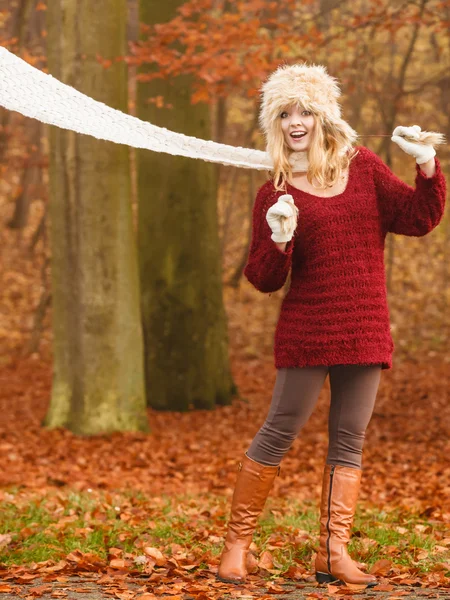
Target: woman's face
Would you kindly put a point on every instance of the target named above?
(298, 125)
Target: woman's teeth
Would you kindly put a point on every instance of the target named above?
(298, 136)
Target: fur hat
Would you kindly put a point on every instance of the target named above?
(309, 86)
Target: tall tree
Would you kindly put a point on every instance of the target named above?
(98, 383)
(184, 319)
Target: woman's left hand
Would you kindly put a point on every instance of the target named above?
(421, 152)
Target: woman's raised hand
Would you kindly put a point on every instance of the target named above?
(282, 219)
(411, 141)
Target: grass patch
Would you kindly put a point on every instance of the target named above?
(404, 537)
(51, 527)
(54, 526)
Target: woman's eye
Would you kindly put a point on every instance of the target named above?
(305, 113)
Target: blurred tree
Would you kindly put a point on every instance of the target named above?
(22, 31)
(98, 384)
(184, 319)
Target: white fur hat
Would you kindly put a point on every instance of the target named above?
(309, 86)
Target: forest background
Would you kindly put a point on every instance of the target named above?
(393, 62)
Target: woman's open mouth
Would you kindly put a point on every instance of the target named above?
(298, 135)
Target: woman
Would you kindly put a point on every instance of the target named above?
(334, 319)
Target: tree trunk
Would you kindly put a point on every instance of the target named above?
(98, 384)
(30, 175)
(184, 319)
(236, 277)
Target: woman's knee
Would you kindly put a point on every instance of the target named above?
(278, 436)
(270, 444)
(346, 447)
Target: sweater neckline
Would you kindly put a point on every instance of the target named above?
(335, 196)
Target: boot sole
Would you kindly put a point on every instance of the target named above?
(328, 578)
(235, 581)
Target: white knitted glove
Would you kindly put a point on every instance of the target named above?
(282, 219)
(421, 152)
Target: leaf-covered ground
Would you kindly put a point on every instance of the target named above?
(145, 515)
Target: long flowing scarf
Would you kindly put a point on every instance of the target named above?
(25, 89)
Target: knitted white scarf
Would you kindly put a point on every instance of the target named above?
(35, 94)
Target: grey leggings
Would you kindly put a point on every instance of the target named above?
(353, 392)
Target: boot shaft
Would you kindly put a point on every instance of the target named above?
(338, 504)
(340, 491)
(253, 485)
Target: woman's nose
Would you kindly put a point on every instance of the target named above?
(296, 118)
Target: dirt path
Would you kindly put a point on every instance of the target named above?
(104, 587)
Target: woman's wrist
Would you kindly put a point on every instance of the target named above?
(281, 246)
(429, 168)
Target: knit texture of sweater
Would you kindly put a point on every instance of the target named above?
(336, 310)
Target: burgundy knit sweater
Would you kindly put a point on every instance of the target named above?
(336, 310)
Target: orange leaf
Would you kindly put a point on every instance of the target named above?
(157, 556)
(381, 567)
(383, 587)
(117, 563)
(295, 572)
(252, 563)
(266, 561)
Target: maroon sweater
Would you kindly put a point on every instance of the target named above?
(336, 311)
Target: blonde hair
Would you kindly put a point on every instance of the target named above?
(327, 155)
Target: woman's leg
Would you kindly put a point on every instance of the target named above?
(294, 397)
(353, 392)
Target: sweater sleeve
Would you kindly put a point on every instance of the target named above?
(267, 266)
(413, 211)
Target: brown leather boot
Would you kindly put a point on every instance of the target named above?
(253, 485)
(339, 496)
